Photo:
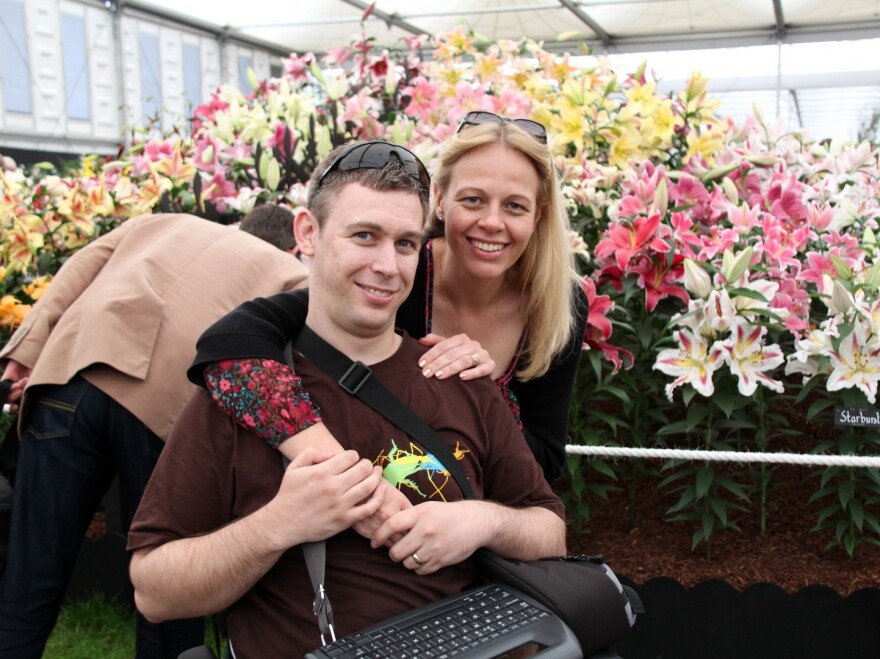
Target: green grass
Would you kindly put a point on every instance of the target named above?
(97, 628)
(92, 628)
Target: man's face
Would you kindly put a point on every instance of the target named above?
(362, 262)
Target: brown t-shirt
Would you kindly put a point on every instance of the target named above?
(213, 471)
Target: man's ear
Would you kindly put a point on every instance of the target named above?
(305, 230)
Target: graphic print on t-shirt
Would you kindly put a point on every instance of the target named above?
(403, 468)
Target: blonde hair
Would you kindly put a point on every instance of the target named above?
(545, 273)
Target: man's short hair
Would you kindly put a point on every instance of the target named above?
(272, 223)
(324, 190)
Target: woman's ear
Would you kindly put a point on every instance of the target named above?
(438, 203)
(305, 230)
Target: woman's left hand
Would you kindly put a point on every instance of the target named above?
(458, 354)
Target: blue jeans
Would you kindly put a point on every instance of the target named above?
(75, 440)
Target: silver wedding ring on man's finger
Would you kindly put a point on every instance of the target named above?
(475, 358)
(418, 560)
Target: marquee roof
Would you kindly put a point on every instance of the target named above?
(778, 41)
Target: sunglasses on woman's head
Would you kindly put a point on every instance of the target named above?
(479, 117)
(375, 155)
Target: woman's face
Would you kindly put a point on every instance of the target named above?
(490, 209)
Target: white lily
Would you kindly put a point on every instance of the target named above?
(734, 266)
(856, 364)
(750, 359)
(693, 362)
(696, 280)
(746, 305)
(720, 311)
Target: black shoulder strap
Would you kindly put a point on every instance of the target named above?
(356, 379)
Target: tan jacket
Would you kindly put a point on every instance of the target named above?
(126, 310)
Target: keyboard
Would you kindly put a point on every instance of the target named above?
(493, 621)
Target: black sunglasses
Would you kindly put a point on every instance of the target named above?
(478, 117)
(375, 155)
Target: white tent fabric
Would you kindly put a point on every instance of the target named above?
(775, 52)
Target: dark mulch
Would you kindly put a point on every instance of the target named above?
(788, 554)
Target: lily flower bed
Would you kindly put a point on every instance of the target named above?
(732, 268)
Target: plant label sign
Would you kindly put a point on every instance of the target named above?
(863, 417)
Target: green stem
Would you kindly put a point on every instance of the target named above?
(710, 418)
(762, 441)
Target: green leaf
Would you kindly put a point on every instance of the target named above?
(708, 525)
(610, 419)
(695, 416)
(818, 406)
(617, 392)
(746, 292)
(845, 492)
(806, 389)
(604, 468)
(733, 487)
(705, 477)
(726, 401)
(825, 514)
(872, 523)
(719, 507)
(857, 513)
(849, 544)
(674, 428)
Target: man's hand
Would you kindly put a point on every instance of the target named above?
(319, 438)
(19, 374)
(435, 534)
(393, 503)
(455, 355)
(322, 495)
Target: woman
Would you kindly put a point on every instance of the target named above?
(496, 293)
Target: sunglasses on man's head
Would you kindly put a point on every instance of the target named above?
(479, 117)
(375, 155)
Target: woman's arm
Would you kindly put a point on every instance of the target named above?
(256, 329)
(545, 401)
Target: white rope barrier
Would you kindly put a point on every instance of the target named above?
(727, 456)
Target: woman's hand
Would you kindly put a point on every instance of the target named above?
(458, 354)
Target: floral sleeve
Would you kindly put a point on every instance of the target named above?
(263, 396)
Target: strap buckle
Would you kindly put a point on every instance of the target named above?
(321, 608)
(355, 377)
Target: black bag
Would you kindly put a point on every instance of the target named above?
(581, 590)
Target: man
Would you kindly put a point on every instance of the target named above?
(104, 354)
(221, 518)
(273, 223)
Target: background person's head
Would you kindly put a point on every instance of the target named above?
(272, 223)
(361, 230)
(545, 270)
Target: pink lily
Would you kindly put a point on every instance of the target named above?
(624, 241)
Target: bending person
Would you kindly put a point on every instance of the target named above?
(495, 278)
(102, 355)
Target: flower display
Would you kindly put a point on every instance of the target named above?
(722, 261)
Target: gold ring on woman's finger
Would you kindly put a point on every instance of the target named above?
(475, 358)
(418, 560)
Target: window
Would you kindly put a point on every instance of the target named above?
(76, 66)
(14, 56)
(244, 63)
(192, 75)
(151, 83)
